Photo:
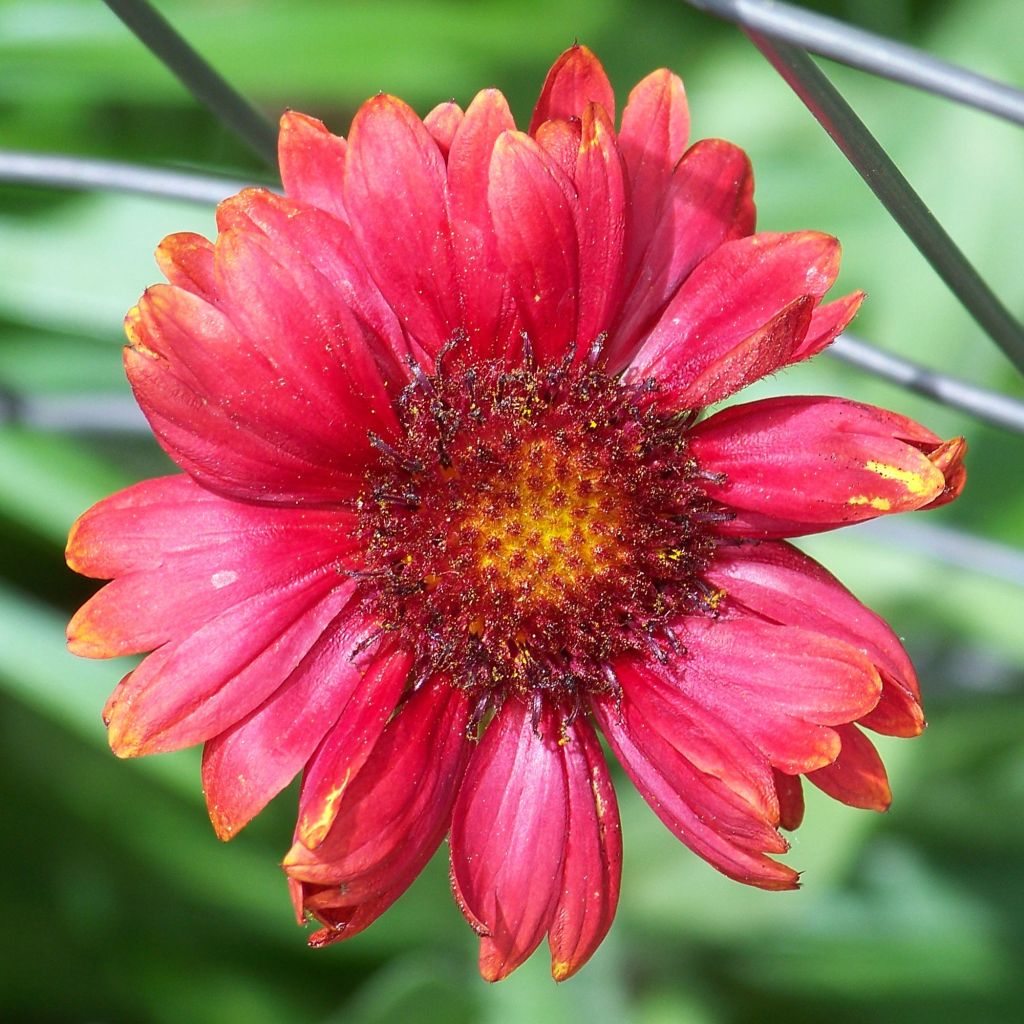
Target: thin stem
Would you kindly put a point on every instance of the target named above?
(988, 406)
(866, 51)
(80, 173)
(208, 87)
(895, 193)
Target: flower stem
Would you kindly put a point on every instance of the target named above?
(867, 51)
(199, 77)
(78, 173)
(906, 207)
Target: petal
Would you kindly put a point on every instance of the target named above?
(319, 253)
(395, 195)
(593, 855)
(509, 835)
(805, 464)
(194, 688)
(334, 691)
(391, 817)
(186, 260)
(857, 776)
(270, 420)
(348, 744)
(489, 314)
(695, 807)
(778, 686)
(791, 799)
(442, 122)
(709, 200)
(701, 737)
(738, 289)
(575, 79)
(312, 163)
(180, 555)
(533, 222)
(776, 581)
(827, 323)
(655, 129)
(601, 225)
(715, 371)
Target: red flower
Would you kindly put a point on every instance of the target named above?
(449, 503)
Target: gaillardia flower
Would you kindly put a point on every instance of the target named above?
(450, 505)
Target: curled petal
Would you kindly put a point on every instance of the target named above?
(791, 800)
(509, 831)
(390, 818)
(312, 163)
(593, 855)
(777, 582)
(735, 292)
(575, 79)
(710, 819)
(857, 776)
(805, 464)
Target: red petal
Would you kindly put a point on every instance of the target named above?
(319, 253)
(709, 201)
(397, 807)
(186, 260)
(395, 195)
(804, 464)
(702, 737)
(711, 821)
(509, 835)
(217, 553)
(575, 79)
(312, 163)
(857, 776)
(655, 128)
(561, 141)
(778, 686)
(601, 225)
(777, 582)
(828, 322)
(192, 689)
(333, 692)
(593, 855)
(791, 799)
(225, 407)
(739, 288)
(442, 122)
(712, 373)
(533, 221)
(490, 319)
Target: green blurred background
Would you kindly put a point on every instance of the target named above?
(118, 902)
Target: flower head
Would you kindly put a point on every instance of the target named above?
(451, 504)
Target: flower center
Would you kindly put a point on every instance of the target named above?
(533, 524)
(549, 528)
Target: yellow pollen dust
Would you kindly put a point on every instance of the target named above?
(547, 527)
(913, 482)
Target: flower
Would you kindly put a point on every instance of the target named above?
(450, 504)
